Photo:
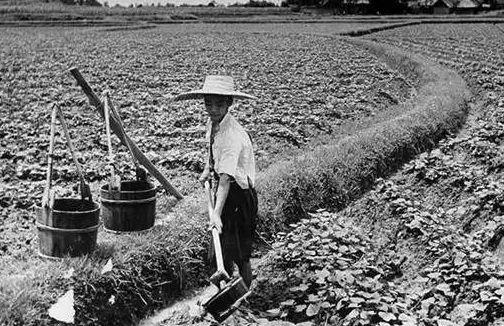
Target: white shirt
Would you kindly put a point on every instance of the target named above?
(232, 151)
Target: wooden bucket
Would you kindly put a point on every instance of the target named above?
(223, 304)
(133, 208)
(69, 228)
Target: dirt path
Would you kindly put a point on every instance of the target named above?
(184, 311)
(188, 310)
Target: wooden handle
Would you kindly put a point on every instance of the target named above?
(141, 173)
(117, 117)
(106, 110)
(95, 101)
(215, 233)
(46, 197)
(85, 193)
(112, 182)
(218, 250)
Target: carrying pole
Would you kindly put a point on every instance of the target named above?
(95, 101)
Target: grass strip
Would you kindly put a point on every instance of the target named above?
(333, 175)
(378, 29)
(150, 269)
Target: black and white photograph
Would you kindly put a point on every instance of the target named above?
(252, 162)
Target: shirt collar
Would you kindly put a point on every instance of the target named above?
(225, 120)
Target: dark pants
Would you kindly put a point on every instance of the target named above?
(238, 226)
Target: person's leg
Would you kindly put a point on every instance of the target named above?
(248, 211)
(245, 271)
(227, 237)
(228, 265)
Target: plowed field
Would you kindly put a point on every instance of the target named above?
(307, 86)
(424, 247)
(476, 51)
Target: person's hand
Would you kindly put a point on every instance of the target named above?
(216, 222)
(204, 176)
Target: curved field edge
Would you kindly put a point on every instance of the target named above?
(333, 175)
(154, 273)
(428, 239)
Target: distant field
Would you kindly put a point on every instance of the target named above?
(30, 10)
(54, 10)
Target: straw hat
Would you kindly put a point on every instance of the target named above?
(215, 85)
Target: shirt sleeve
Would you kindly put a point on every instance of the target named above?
(228, 159)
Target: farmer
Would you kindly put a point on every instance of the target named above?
(231, 164)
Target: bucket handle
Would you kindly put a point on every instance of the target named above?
(141, 173)
(48, 196)
(115, 180)
(84, 187)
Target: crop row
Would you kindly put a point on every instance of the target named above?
(474, 50)
(422, 247)
(305, 90)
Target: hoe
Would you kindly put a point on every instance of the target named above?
(231, 291)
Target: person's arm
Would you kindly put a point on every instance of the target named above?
(205, 175)
(222, 193)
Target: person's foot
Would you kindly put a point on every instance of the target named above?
(246, 273)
